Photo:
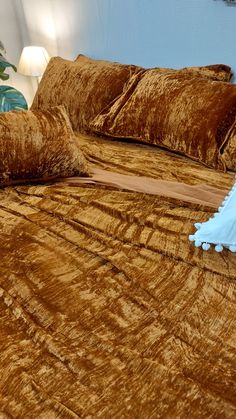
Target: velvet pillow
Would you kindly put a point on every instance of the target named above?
(189, 115)
(38, 145)
(84, 87)
(220, 72)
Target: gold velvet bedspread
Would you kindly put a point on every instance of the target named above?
(106, 309)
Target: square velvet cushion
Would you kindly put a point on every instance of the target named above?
(84, 87)
(38, 145)
(186, 114)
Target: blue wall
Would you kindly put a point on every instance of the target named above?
(169, 33)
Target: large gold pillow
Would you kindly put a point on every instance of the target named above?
(189, 115)
(38, 145)
(84, 87)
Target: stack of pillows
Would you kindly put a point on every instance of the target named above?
(191, 111)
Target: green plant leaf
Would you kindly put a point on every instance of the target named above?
(11, 99)
(2, 48)
(4, 63)
(4, 76)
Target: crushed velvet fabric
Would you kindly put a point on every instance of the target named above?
(38, 144)
(217, 72)
(189, 115)
(84, 87)
(106, 310)
(220, 72)
(131, 159)
(229, 150)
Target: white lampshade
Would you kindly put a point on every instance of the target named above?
(33, 61)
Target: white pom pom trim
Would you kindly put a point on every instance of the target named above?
(206, 246)
(218, 248)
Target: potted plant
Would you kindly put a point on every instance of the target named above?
(10, 98)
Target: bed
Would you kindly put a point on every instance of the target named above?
(107, 309)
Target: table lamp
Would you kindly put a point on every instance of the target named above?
(33, 61)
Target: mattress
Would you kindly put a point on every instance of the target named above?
(106, 309)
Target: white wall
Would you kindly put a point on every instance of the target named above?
(11, 36)
(41, 22)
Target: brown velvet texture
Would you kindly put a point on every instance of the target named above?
(38, 144)
(84, 87)
(229, 151)
(189, 115)
(106, 310)
(140, 159)
(220, 72)
(217, 72)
